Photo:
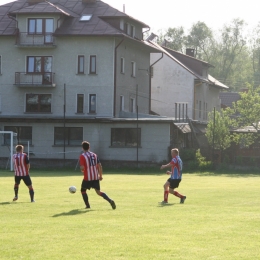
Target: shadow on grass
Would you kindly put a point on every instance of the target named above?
(70, 213)
(161, 205)
(5, 203)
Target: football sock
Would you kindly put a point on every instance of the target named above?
(104, 195)
(16, 188)
(85, 198)
(166, 193)
(177, 194)
(31, 191)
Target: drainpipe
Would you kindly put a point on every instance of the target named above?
(115, 67)
(150, 83)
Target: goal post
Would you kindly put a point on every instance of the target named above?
(12, 134)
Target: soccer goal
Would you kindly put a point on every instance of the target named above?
(12, 134)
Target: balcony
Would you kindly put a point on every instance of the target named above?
(45, 79)
(45, 40)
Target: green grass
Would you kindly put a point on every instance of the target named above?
(219, 220)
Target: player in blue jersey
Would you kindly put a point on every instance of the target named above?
(176, 176)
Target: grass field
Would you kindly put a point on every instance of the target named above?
(219, 220)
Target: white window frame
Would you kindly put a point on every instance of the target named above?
(0, 64)
(132, 103)
(92, 112)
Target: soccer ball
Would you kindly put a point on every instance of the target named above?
(72, 189)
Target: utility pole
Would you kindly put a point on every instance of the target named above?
(64, 124)
(137, 137)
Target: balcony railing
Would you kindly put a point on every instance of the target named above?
(26, 39)
(25, 79)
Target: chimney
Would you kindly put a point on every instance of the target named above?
(89, 1)
(190, 52)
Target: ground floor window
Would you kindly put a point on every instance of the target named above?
(69, 135)
(125, 137)
(24, 134)
(38, 103)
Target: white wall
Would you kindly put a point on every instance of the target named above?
(171, 83)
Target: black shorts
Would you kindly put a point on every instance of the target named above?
(26, 179)
(174, 183)
(90, 184)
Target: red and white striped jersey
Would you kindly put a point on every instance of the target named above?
(90, 162)
(20, 161)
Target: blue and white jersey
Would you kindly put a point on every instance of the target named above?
(176, 172)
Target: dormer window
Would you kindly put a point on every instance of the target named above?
(85, 17)
(40, 26)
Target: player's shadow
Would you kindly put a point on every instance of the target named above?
(5, 203)
(164, 205)
(70, 213)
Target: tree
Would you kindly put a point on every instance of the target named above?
(175, 38)
(248, 108)
(255, 54)
(199, 39)
(218, 130)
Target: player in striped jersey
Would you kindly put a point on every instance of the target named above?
(176, 176)
(92, 170)
(21, 172)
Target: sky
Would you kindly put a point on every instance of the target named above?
(160, 15)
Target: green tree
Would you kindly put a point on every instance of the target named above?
(255, 54)
(200, 38)
(175, 38)
(218, 129)
(248, 108)
(230, 45)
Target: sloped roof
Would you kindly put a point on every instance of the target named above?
(227, 98)
(217, 83)
(170, 53)
(73, 10)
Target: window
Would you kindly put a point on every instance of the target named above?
(92, 64)
(92, 103)
(125, 137)
(40, 26)
(24, 134)
(200, 109)
(132, 105)
(69, 135)
(122, 65)
(38, 103)
(132, 33)
(80, 103)
(0, 64)
(42, 66)
(85, 17)
(38, 64)
(122, 103)
(81, 62)
(125, 27)
(133, 65)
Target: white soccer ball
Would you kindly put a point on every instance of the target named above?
(72, 189)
